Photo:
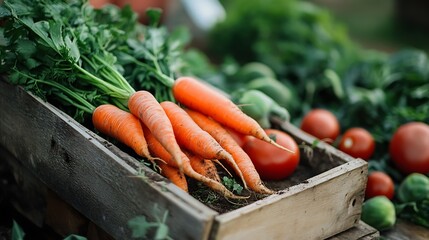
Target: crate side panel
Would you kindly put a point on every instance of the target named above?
(87, 175)
(324, 206)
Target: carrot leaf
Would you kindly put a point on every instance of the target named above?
(232, 185)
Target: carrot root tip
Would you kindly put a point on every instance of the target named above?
(280, 146)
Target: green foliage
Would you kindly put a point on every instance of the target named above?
(413, 196)
(416, 212)
(377, 92)
(297, 39)
(142, 228)
(75, 237)
(17, 232)
(232, 185)
(61, 50)
(79, 57)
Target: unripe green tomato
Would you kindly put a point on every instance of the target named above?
(379, 212)
(414, 188)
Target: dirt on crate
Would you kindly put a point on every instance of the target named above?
(310, 165)
(223, 205)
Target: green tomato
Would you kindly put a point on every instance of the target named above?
(414, 188)
(379, 212)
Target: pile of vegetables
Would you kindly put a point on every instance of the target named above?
(289, 60)
(368, 103)
(125, 80)
(302, 44)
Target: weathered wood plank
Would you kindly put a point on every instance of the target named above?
(86, 174)
(362, 231)
(405, 230)
(22, 189)
(319, 208)
(24, 202)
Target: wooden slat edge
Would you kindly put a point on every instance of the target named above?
(244, 217)
(310, 183)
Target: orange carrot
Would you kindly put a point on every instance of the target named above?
(207, 100)
(190, 136)
(228, 142)
(144, 105)
(174, 175)
(158, 150)
(122, 126)
(238, 137)
(203, 166)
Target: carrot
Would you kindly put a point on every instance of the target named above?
(238, 137)
(122, 126)
(203, 166)
(205, 99)
(190, 136)
(227, 141)
(144, 105)
(174, 175)
(158, 150)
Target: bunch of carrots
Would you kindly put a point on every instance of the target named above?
(65, 50)
(186, 138)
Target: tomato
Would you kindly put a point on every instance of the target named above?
(358, 143)
(271, 162)
(379, 212)
(409, 148)
(379, 184)
(322, 124)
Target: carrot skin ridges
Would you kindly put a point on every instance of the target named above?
(144, 105)
(203, 166)
(190, 136)
(250, 175)
(174, 175)
(205, 99)
(158, 150)
(122, 126)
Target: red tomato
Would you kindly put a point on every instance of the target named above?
(409, 148)
(322, 124)
(358, 143)
(271, 162)
(379, 184)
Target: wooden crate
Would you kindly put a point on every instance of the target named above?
(99, 180)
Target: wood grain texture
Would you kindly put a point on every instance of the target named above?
(86, 174)
(322, 207)
(362, 231)
(29, 208)
(405, 230)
